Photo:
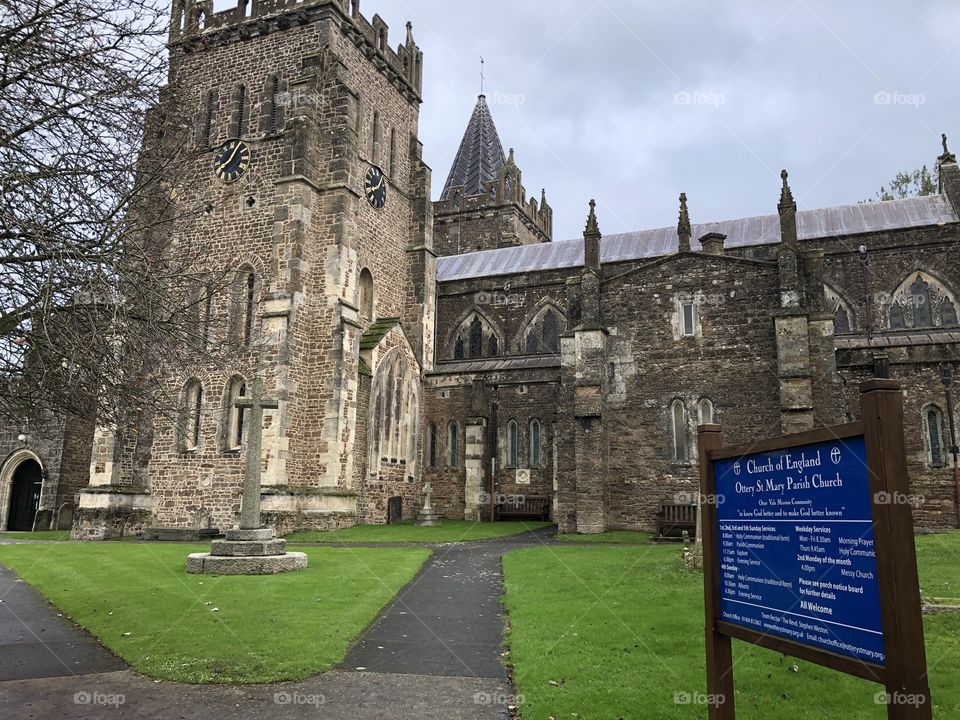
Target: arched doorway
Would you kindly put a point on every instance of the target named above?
(24, 496)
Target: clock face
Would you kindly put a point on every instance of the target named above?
(375, 187)
(232, 161)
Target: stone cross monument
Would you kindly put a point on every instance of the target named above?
(427, 517)
(255, 403)
(250, 549)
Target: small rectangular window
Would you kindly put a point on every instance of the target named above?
(688, 320)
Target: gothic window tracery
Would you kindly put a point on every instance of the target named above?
(922, 302)
(842, 312)
(542, 334)
(475, 338)
(394, 417)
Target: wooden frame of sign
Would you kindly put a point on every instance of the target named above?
(904, 670)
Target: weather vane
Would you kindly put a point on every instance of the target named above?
(481, 75)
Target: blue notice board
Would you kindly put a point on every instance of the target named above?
(795, 539)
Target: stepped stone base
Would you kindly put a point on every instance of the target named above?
(427, 519)
(251, 565)
(247, 552)
(249, 535)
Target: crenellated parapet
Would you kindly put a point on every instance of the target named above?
(194, 27)
(506, 192)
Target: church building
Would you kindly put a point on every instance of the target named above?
(401, 340)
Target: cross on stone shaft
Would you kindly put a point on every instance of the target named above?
(256, 403)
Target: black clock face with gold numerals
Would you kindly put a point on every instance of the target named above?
(375, 187)
(232, 161)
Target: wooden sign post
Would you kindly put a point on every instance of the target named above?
(809, 551)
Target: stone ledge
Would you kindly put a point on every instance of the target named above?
(262, 565)
(262, 535)
(252, 548)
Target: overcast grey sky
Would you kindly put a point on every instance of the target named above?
(634, 101)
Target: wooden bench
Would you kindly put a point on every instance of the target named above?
(527, 506)
(673, 520)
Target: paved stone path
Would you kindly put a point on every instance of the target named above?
(36, 643)
(433, 654)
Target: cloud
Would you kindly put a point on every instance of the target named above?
(632, 102)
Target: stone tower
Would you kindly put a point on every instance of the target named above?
(306, 190)
(484, 205)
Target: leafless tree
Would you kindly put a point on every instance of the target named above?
(92, 301)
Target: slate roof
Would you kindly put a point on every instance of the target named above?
(480, 158)
(762, 230)
(527, 362)
(933, 337)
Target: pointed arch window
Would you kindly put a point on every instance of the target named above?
(192, 414)
(705, 411)
(542, 335)
(513, 432)
(896, 317)
(933, 430)
(453, 438)
(366, 294)
(536, 443)
(394, 414)
(551, 336)
(678, 423)
(920, 298)
(841, 321)
(948, 313)
(476, 338)
(431, 450)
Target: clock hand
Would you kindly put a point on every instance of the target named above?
(229, 160)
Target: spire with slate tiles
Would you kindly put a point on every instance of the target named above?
(480, 159)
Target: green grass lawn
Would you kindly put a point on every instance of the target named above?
(938, 557)
(141, 603)
(617, 632)
(448, 531)
(60, 535)
(627, 537)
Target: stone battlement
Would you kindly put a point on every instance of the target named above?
(193, 20)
